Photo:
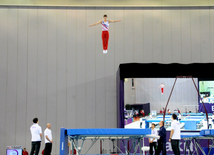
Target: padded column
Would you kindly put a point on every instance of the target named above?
(63, 142)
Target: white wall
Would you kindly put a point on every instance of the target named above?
(129, 92)
(184, 93)
(52, 65)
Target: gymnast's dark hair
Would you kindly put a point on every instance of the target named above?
(35, 120)
(174, 116)
(105, 15)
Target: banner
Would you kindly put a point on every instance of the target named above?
(208, 106)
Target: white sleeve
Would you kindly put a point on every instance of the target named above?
(173, 125)
(40, 130)
(156, 133)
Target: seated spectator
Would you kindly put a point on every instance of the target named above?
(142, 113)
(24, 152)
(179, 111)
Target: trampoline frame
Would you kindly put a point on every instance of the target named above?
(135, 135)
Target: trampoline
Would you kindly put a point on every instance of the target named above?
(78, 136)
(196, 138)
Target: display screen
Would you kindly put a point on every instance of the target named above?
(14, 152)
(206, 90)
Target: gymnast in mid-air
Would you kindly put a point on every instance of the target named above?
(105, 33)
(162, 88)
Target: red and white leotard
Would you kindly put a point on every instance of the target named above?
(105, 25)
(162, 88)
(105, 34)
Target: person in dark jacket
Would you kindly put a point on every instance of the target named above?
(162, 139)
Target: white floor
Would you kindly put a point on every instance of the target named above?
(133, 125)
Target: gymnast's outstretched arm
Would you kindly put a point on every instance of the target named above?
(99, 22)
(113, 21)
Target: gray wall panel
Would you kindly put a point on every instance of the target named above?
(21, 78)
(195, 35)
(128, 31)
(51, 74)
(81, 69)
(53, 67)
(119, 54)
(90, 73)
(3, 75)
(167, 35)
(61, 71)
(185, 36)
(147, 37)
(42, 26)
(138, 35)
(157, 35)
(176, 35)
(90, 70)
(11, 105)
(71, 68)
(205, 35)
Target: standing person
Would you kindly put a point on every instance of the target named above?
(48, 140)
(105, 33)
(24, 152)
(175, 135)
(36, 134)
(153, 141)
(162, 140)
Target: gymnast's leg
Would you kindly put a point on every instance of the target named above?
(105, 37)
(162, 89)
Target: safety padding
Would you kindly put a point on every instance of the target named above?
(206, 132)
(63, 142)
(108, 132)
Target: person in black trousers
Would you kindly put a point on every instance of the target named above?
(175, 135)
(161, 140)
(36, 137)
(153, 141)
(48, 140)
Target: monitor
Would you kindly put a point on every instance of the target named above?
(14, 152)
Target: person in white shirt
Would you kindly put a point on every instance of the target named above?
(153, 141)
(36, 137)
(175, 135)
(48, 140)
